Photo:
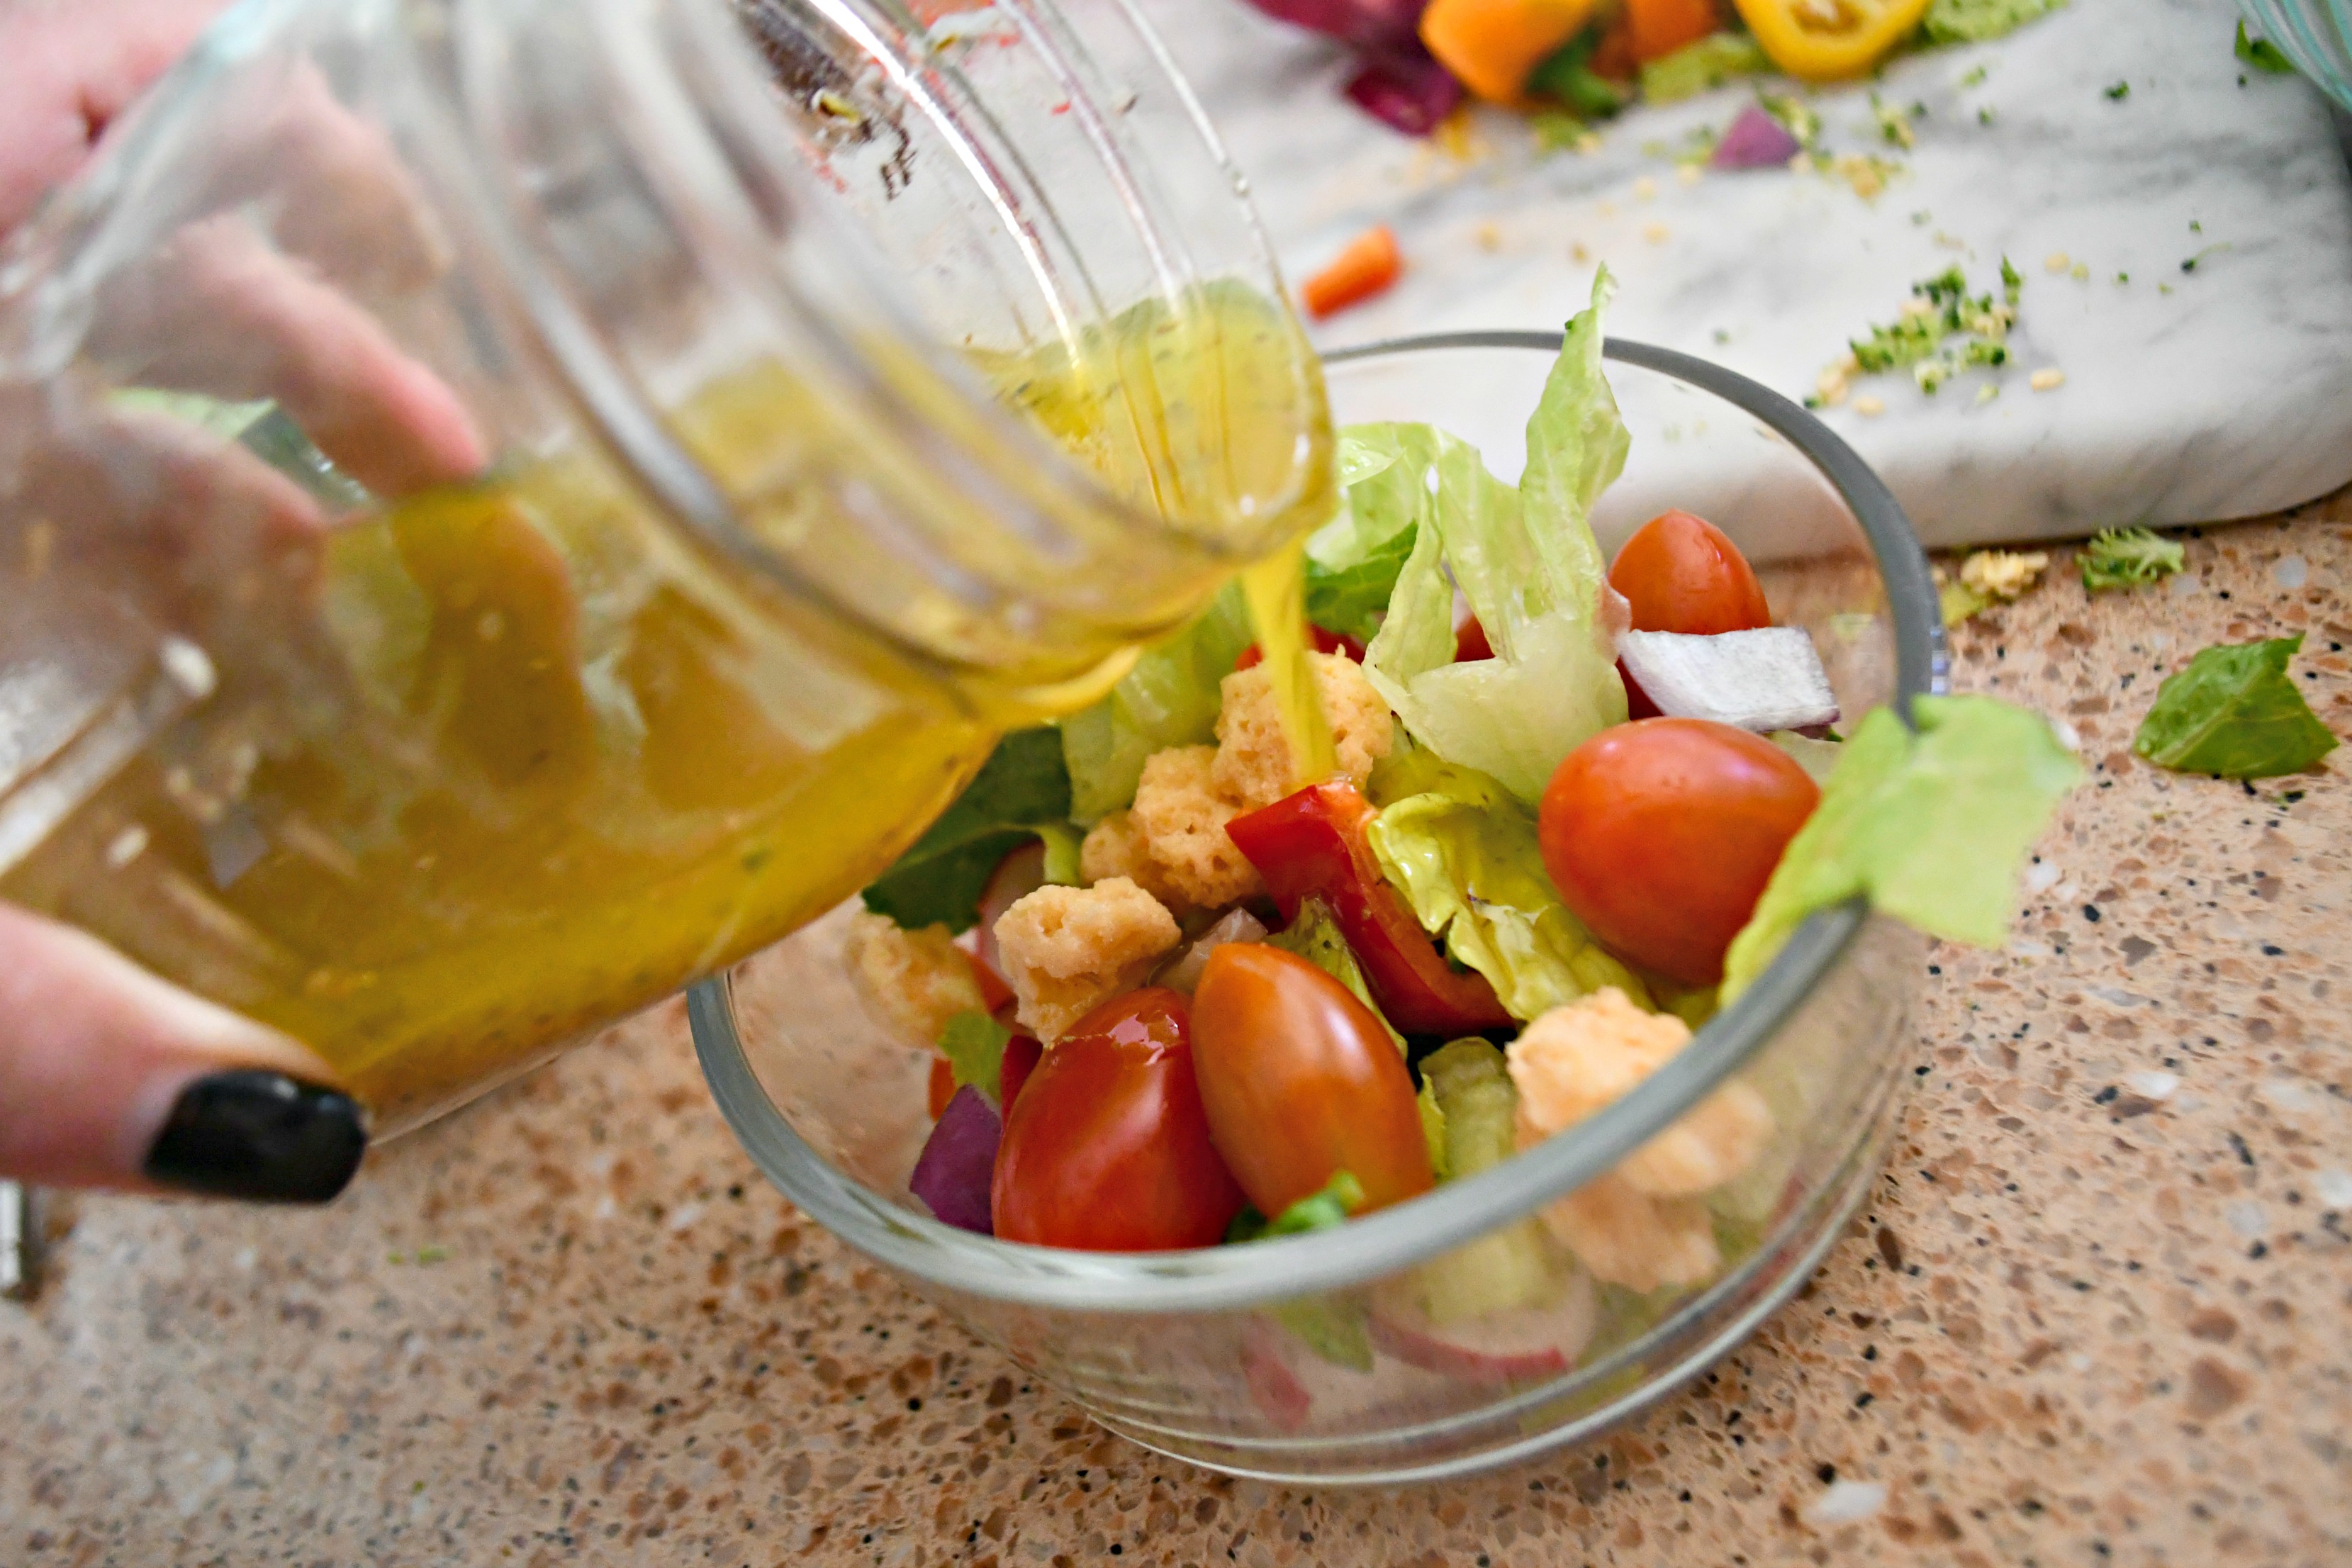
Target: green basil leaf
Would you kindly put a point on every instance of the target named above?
(2234, 712)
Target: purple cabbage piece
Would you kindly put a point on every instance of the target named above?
(1366, 23)
(1405, 89)
(953, 1173)
(1755, 140)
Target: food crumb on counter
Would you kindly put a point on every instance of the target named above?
(1869, 406)
(2057, 261)
(2049, 378)
(2003, 573)
(1654, 233)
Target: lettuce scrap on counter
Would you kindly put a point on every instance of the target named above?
(2234, 713)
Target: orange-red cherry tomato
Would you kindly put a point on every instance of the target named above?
(1300, 1082)
(1107, 1148)
(1661, 835)
(1682, 573)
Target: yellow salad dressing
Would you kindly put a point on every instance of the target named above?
(525, 756)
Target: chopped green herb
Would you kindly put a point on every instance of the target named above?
(2127, 558)
(2011, 284)
(2117, 91)
(1795, 116)
(2234, 712)
(2190, 264)
(1978, 21)
(1893, 124)
(975, 1045)
(1567, 75)
(2261, 53)
(1984, 116)
(1974, 79)
(1943, 330)
(2123, 277)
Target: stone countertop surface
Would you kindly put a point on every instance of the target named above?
(2095, 1315)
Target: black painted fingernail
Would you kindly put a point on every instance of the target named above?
(261, 1136)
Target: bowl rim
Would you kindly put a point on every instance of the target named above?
(1233, 1278)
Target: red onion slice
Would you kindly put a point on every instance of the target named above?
(1406, 90)
(1754, 139)
(959, 1161)
(1367, 24)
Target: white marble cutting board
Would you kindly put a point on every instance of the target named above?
(2223, 392)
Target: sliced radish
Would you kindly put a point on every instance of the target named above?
(1768, 679)
(1274, 1387)
(1016, 876)
(1517, 1345)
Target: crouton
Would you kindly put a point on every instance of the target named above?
(1183, 817)
(1255, 765)
(1576, 1060)
(912, 982)
(1116, 846)
(1067, 950)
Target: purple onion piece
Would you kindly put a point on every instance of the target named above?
(1754, 139)
(1366, 23)
(953, 1173)
(1406, 90)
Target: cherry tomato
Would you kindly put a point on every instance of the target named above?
(1661, 835)
(1107, 1147)
(1022, 1055)
(1470, 642)
(1325, 642)
(1681, 573)
(1300, 1082)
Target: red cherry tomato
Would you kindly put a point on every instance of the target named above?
(1021, 1054)
(1682, 573)
(1300, 1082)
(1325, 642)
(1470, 642)
(1661, 835)
(1107, 1147)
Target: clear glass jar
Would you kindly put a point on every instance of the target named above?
(506, 506)
(1333, 1357)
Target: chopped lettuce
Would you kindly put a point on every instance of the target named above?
(1708, 63)
(975, 1045)
(1314, 935)
(1021, 791)
(1931, 828)
(2261, 53)
(1818, 758)
(1432, 1129)
(2128, 557)
(1332, 1326)
(1527, 562)
(1517, 1265)
(1980, 21)
(1465, 855)
(1339, 1198)
(1352, 561)
(1170, 699)
(2235, 712)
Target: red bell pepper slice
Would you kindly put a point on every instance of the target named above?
(1313, 842)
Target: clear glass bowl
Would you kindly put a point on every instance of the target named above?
(1211, 1355)
(2316, 35)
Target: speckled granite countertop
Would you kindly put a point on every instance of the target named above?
(2097, 1314)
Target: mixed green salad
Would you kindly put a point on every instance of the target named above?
(1181, 997)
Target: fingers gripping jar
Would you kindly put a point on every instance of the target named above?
(507, 505)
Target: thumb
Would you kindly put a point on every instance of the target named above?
(112, 1077)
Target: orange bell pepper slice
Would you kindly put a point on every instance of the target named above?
(1659, 27)
(1493, 45)
(1826, 40)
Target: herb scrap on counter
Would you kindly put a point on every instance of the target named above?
(2234, 712)
(2128, 558)
(2261, 53)
(1980, 21)
(1942, 331)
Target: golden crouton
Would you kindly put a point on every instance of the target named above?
(912, 982)
(1576, 1060)
(1182, 816)
(1254, 764)
(1067, 950)
(1116, 846)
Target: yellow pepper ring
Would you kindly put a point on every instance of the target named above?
(1824, 40)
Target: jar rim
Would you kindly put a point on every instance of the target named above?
(1227, 1279)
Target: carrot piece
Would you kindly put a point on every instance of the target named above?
(943, 1087)
(1492, 46)
(1659, 27)
(1369, 264)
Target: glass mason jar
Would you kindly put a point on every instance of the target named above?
(506, 506)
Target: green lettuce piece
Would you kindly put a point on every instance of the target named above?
(1170, 699)
(975, 1045)
(1465, 857)
(1339, 1198)
(1314, 935)
(1021, 791)
(1979, 21)
(2261, 53)
(1527, 562)
(2128, 557)
(2235, 712)
(1930, 827)
(1432, 1129)
(1353, 560)
(1708, 63)
(1516, 1266)
(1818, 758)
(1333, 1327)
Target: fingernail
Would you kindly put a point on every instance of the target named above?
(261, 1136)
